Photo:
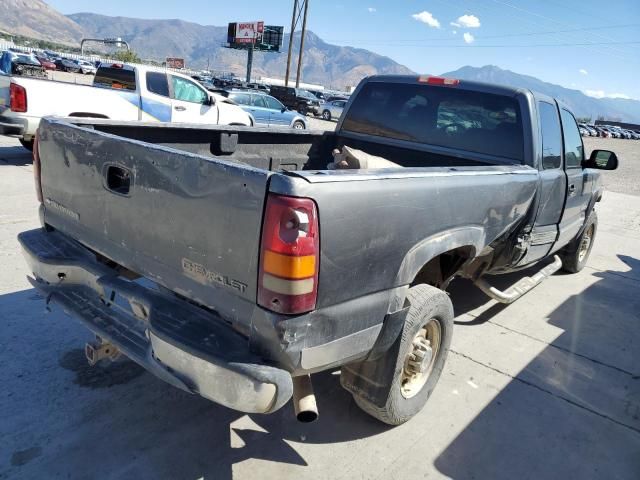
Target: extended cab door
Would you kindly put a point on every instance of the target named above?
(553, 183)
(575, 207)
(190, 102)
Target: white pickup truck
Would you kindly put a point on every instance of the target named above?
(119, 92)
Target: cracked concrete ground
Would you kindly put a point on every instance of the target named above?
(548, 387)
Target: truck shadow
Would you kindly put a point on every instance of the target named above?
(15, 155)
(65, 419)
(572, 411)
(123, 419)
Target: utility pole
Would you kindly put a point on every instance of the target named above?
(293, 26)
(304, 30)
(249, 61)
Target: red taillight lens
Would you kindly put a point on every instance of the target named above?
(289, 255)
(17, 98)
(36, 168)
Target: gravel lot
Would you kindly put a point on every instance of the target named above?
(548, 387)
(626, 179)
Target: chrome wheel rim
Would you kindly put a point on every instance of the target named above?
(297, 126)
(420, 359)
(585, 244)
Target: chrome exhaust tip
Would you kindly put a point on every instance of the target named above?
(304, 400)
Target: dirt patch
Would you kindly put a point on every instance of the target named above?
(104, 375)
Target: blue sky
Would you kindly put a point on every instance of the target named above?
(584, 44)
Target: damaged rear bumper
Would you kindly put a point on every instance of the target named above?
(182, 344)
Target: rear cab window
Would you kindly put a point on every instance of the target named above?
(118, 78)
(157, 83)
(478, 122)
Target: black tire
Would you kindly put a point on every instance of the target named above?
(427, 303)
(326, 115)
(28, 144)
(302, 109)
(575, 255)
(298, 125)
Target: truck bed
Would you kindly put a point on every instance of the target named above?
(276, 150)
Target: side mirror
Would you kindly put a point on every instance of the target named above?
(283, 109)
(211, 101)
(602, 160)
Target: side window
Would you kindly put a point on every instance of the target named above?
(187, 91)
(241, 98)
(573, 149)
(551, 136)
(257, 101)
(273, 103)
(157, 83)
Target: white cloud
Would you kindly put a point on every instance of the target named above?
(426, 18)
(455, 32)
(603, 94)
(466, 21)
(583, 71)
(468, 38)
(372, 10)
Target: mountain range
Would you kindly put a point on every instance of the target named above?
(330, 65)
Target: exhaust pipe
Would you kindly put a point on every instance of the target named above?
(304, 400)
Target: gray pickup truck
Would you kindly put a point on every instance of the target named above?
(233, 262)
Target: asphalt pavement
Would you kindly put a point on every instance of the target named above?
(548, 387)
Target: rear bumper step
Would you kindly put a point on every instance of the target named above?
(523, 285)
(185, 346)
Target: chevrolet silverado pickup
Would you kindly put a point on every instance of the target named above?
(119, 92)
(234, 262)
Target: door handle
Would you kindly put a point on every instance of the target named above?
(572, 189)
(179, 108)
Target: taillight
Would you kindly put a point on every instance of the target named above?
(289, 255)
(447, 82)
(36, 168)
(17, 98)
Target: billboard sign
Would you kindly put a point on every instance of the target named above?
(249, 32)
(173, 62)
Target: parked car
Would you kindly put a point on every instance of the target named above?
(333, 98)
(318, 94)
(87, 68)
(22, 64)
(333, 110)
(123, 92)
(67, 65)
(296, 99)
(46, 63)
(602, 132)
(266, 110)
(248, 247)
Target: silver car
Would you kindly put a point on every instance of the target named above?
(333, 110)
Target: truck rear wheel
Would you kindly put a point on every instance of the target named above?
(419, 360)
(575, 255)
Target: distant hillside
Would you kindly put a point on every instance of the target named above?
(36, 19)
(581, 104)
(323, 63)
